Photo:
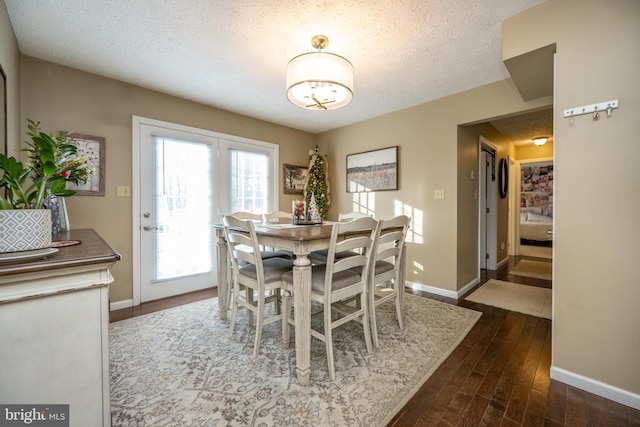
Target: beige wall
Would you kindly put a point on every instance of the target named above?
(69, 99)
(10, 61)
(597, 184)
(532, 151)
(428, 139)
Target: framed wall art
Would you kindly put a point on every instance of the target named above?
(295, 177)
(93, 148)
(373, 170)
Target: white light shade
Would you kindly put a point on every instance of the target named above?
(319, 81)
(540, 141)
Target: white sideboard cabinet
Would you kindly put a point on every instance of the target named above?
(54, 329)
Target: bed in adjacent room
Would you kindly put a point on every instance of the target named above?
(536, 229)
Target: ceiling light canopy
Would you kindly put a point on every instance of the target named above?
(319, 80)
(540, 141)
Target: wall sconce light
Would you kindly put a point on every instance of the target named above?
(319, 80)
(540, 141)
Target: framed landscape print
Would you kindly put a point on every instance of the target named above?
(373, 170)
(93, 148)
(295, 177)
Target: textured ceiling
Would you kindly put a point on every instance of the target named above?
(521, 129)
(233, 54)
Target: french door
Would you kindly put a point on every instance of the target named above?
(185, 179)
(177, 211)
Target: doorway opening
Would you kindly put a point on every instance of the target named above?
(536, 208)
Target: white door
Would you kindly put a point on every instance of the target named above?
(488, 206)
(177, 182)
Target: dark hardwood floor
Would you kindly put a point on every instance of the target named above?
(497, 376)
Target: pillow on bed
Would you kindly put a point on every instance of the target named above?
(539, 218)
(523, 216)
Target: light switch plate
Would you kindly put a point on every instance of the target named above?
(439, 194)
(123, 191)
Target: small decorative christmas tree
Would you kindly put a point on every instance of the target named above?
(314, 215)
(318, 183)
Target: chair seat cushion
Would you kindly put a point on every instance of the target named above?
(274, 268)
(271, 254)
(380, 267)
(340, 280)
(280, 253)
(322, 254)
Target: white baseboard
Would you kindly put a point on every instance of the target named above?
(439, 291)
(607, 391)
(468, 287)
(503, 262)
(121, 304)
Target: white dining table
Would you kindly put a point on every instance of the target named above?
(301, 240)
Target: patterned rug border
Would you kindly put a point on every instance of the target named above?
(124, 412)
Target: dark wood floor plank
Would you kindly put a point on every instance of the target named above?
(521, 391)
(616, 414)
(504, 388)
(493, 416)
(535, 412)
(488, 358)
(632, 414)
(543, 376)
(557, 402)
(596, 409)
(506, 348)
(474, 411)
(576, 408)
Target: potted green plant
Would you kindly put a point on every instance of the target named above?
(25, 223)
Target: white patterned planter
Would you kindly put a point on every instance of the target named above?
(24, 230)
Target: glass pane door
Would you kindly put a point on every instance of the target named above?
(182, 205)
(177, 187)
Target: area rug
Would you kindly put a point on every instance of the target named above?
(535, 269)
(515, 297)
(179, 367)
(536, 251)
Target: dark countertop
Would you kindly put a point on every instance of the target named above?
(92, 250)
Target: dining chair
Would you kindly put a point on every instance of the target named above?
(247, 215)
(255, 274)
(351, 215)
(277, 217)
(265, 253)
(386, 267)
(337, 281)
(320, 256)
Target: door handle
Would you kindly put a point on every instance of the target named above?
(149, 228)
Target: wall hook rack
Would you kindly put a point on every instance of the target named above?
(594, 109)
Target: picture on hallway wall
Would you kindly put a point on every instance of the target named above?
(373, 170)
(536, 191)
